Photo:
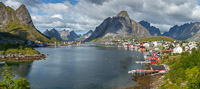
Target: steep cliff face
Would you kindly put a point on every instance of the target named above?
(183, 32)
(119, 27)
(74, 35)
(53, 33)
(19, 22)
(24, 16)
(196, 37)
(64, 34)
(88, 34)
(153, 30)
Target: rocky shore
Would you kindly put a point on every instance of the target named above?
(147, 81)
(22, 58)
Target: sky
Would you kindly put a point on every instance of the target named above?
(84, 15)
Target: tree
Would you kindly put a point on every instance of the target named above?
(10, 83)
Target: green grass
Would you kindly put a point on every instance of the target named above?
(13, 48)
(29, 32)
(15, 28)
(184, 71)
(156, 38)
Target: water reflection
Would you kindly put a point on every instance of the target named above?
(19, 69)
(80, 68)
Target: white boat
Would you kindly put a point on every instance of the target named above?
(2, 63)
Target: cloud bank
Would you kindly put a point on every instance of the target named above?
(88, 14)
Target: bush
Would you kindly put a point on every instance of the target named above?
(10, 83)
(184, 70)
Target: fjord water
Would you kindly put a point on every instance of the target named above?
(89, 67)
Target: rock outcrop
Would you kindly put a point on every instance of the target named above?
(183, 32)
(153, 30)
(88, 34)
(117, 28)
(53, 33)
(19, 22)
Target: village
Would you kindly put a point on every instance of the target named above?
(155, 51)
(152, 69)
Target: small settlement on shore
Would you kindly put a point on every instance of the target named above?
(154, 52)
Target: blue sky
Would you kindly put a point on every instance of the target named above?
(73, 2)
(84, 15)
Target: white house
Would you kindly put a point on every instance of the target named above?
(177, 49)
(166, 45)
(192, 45)
(157, 43)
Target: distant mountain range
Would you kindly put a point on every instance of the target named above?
(18, 22)
(184, 31)
(188, 31)
(153, 30)
(88, 34)
(117, 28)
(53, 33)
(64, 35)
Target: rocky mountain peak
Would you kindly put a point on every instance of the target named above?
(24, 16)
(22, 20)
(22, 7)
(53, 29)
(153, 30)
(117, 28)
(123, 14)
(2, 5)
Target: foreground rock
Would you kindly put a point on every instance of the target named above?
(22, 58)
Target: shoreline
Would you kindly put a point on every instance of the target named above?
(23, 58)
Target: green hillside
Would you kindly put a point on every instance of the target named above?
(184, 72)
(156, 38)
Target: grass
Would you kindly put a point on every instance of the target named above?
(15, 28)
(184, 71)
(156, 38)
(13, 48)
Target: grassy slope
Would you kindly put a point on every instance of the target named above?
(184, 71)
(157, 38)
(25, 32)
(13, 48)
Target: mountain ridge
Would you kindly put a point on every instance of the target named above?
(19, 22)
(183, 32)
(153, 30)
(119, 27)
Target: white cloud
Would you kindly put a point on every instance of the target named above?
(12, 3)
(87, 14)
(59, 16)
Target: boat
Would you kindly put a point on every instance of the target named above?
(1, 63)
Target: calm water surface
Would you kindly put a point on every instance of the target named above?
(89, 67)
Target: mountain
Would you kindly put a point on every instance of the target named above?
(18, 22)
(153, 30)
(196, 37)
(88, 34)
(66, 35)
(53, 33)
(74, 35)
(119, 27)
(184, 31)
